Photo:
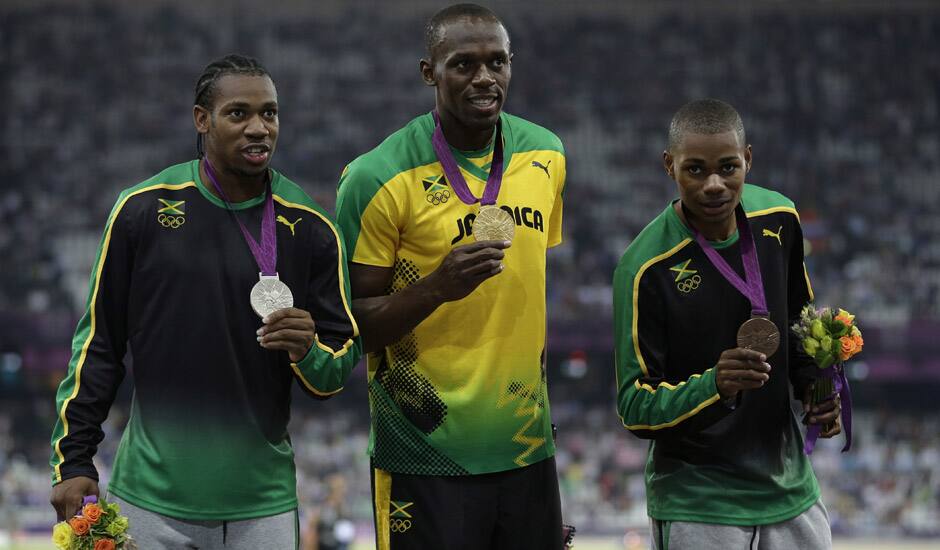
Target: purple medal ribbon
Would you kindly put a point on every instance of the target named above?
(752, 286)
(493, 181)
(266, 253)
(840, 386)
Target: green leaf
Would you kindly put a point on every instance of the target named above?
(837, 329)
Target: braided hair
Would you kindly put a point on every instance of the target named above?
(205, 87)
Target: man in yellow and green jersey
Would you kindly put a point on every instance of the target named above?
(461, 443)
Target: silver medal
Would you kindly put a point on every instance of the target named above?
(269, 295)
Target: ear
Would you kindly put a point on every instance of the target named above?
(668, 164)
(427, 72)
(201, 119)
(747, 159)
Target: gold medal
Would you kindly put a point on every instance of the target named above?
(493, 224)
(759, 334)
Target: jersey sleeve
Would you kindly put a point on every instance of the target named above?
(555, 219)
(337, 346)
(648, 405)
(370, 218)
(799, 293)
(96, 367)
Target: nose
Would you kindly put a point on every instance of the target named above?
(483, 77)
(714, 184)
(256, 127)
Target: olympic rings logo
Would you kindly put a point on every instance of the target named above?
(400, 525)
(690, 284)
(173, 222)
(438, 197)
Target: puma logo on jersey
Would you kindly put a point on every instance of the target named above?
(283, 220)
(769, 233)
(543, 167)
(523, 216)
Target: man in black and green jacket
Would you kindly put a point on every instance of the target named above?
(206, 460)
(725, 467)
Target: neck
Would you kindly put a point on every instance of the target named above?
(237, 187)
(712, 231)
(463, 137)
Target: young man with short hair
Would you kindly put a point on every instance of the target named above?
(703, 301)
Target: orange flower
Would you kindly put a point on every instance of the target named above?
(849, 348)
(80, 525)
(104, 544)
(859, 342)
(846, 317)
(91, 512)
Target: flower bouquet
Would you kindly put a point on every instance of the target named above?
(97, 526)
(830, 339)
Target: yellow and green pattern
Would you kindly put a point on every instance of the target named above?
(465, 391)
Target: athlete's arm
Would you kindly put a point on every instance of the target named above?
(67, 496)
(650, 406)
(385, 318)
(802, 367)
(321, 341)
(95, 370)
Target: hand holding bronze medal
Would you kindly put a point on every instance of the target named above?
(269, 294)
(758, 333)
(492, 223)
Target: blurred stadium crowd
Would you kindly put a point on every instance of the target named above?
(842, 108)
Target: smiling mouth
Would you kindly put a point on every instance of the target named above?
(256, 154)
(484, 102)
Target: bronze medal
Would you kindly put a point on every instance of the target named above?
(493, 224)
(759, 334)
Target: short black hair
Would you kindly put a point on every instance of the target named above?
(705, 116)
(232, 63)
(434, 32)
